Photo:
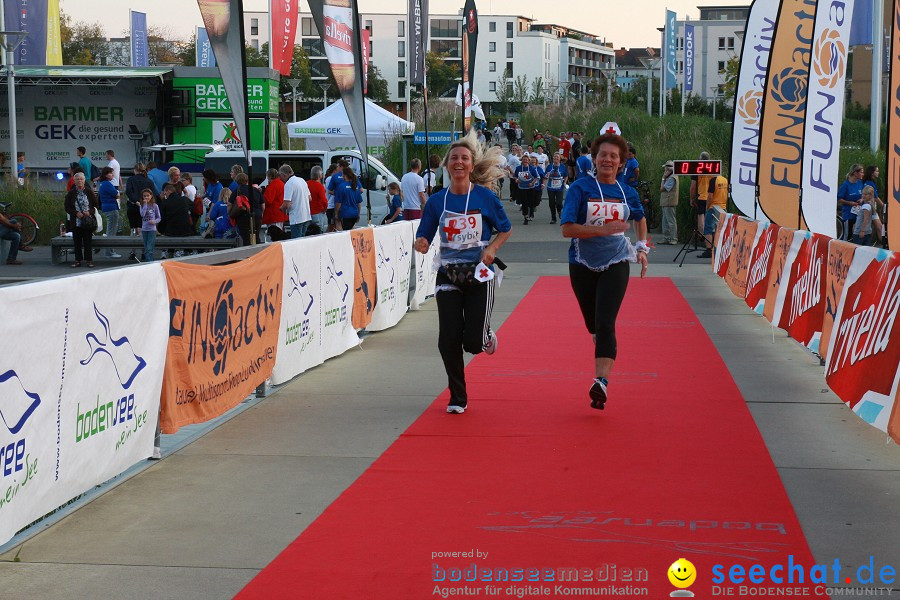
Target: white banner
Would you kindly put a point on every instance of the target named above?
(317, 303)
(425, 271)
(824, 111)
(80, 379)
(393, 261)
(748, 103)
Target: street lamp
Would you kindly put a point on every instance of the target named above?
(294, 83)
(610, 74)
(715, 91)
(324, 87)
(9, 43)
(650, 63)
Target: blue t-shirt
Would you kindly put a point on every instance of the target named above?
(336, 179)
(556, 175)
(627, 175)
(233, 186)
(607, 249)
(213, 191)
(583, 166)
(529, 177)
(107, 193)
(396, 202)
(159, 178)
(85, 163)
(218, 213)
(349, 199)
(482, 201)
(852, 192)
(873, 185)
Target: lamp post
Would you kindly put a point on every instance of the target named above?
(610, 74)
(715, 92)
(9, 43)
(324, 87)
(294, 83)
(650, 63)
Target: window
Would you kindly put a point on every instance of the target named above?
(254, 26)
(313, 47)
(492, 27)
(401, 89)
(509, 29)
(721, 66)
(492, 46)
(509, 88)
(369, 25)
(401, 48)
(447, 28)
(401, 69)
(731, 43)
(492, 67)
(509, 49)
(255, 44)
(721, 43)
(401, 28)
(319, 68)
(509, 69)
(308, 27)
(453, 48)
(492, 86)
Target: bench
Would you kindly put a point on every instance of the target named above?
(61, 245)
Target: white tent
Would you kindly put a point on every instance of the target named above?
(330, 128)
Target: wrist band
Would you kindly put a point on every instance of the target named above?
(641, 246)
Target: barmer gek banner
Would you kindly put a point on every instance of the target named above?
(417, 36)
(30, 16)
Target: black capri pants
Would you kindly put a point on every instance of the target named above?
(599, 295)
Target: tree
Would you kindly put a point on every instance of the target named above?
(82, 43)
(377, 86)
(732, 71)
(443, 75)
(187, 52)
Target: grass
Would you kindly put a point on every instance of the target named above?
(47, 208)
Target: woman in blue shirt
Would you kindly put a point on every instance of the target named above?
(347, 198)
(530, 178)
(849, 198)
(556, 183)
(466, 214)
(595, 218)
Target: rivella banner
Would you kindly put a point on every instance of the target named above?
(393, 262)
(284, 32)
(365, 271)
(748, 103)
(761, 259)
(800, 305)
(317, 302)
(746, 236)
(784, 114)
(863, 364)
(79, 405)
(722, 243)
(840, 256)
(223, 335)
(776, 272)
(825, 110)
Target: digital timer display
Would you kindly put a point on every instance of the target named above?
(698, 167)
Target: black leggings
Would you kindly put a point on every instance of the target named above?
(600, 295)
(464, 317)
(530, 199)
(555, 198)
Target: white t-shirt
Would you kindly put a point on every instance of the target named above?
(428, 179)
(512, 163)
(542, 159)
(297, 192)
(114, 165)
(190, 191)
(411, 185)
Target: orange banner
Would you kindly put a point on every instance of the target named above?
(784, 114)
(782, 245)
(840, 255)
(892, 196)
(760, 266)
(745, 234)
(223, 335)
(365, 291)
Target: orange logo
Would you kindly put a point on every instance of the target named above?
(789, 89)
(829, 58)
(750, 107)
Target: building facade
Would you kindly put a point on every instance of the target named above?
(718, 36)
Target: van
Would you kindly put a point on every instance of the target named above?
(302, 162)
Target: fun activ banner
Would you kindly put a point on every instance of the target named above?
(748, 103)
(223, 335)
(784, 114)
(825, 113)
(761, 259)
(317, 302)
(425, 269)
(863, 364)
(722, 243)
(364, 277)
(776, 271)
(393, 262)
(469, 46)
(79, 404)
(746, 235)
(417, 39)
(284, 33)
(205, 56)
(800, 304)
(29, 16)
(840, 256)
(140, 48)
(892, 195)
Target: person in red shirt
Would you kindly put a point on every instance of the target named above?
(318, 201)
(273, 217)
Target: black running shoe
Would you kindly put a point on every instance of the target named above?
(598, 395)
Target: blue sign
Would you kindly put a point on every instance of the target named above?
(205, 56)
(140, 55)
(688, 58)
(669, 52)
(435, 137)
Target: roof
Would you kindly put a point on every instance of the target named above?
(83, 75)
(631, 57)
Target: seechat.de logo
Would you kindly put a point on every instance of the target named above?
(789, 88)
(750, 107)
(829, 58)
(682, 574)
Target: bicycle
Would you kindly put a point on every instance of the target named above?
(652, 214)
(30, 227)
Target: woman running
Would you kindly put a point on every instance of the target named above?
(595, 216)
(466, 214)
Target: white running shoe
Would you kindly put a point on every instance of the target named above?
(456, 408)
(492, 344)
(114, 255)
(156, 453)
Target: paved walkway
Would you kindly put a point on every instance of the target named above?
(204, 520)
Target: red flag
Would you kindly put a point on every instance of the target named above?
(284, 33)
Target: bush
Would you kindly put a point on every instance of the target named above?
(47, 208)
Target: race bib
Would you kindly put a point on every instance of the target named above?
(599, 212)
(463, 231)
(854, 210)
(556, 183)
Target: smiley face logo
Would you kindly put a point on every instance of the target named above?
(682, 573)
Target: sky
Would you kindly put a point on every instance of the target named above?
(628, 23)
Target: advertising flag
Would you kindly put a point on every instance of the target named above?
(205, 56)
(671, 57)
(825, 110)
(417, 36)
(861, 23)
(892, 195)
(140, 51)
(469, 45)
(365, 56)
(784, 114)
(30, 16)
(284, 32)
(688, 58)
(746, 235)
(54, 36)
(760, 264)
(748, 103)
(224, 24)
(840, 256)
(783, 241)
(800, 306)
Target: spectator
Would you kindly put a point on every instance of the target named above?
(668, 200)
(871, 179)
(150, 217)
(430, 176)
(273, 217)
(239, 211)
(862, 229)
(174, 175)
(296, 201)
(152, 128)
(850, 199)
(84, 162)
(347, 198)
(218, 213)
(195, 203)
(109, 204)
(717, 198)
(395, 204)
(257, 204)
(235, 169)
(81, 202)
(318, 200)
(175, 218)
(413, 190)
(9, 230)
(20, 167)
(73, 168)
(117, 170)
(333, 182)
(134, 187)
(212, 189)
(157, 176)
(699, 192)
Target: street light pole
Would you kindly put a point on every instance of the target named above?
(650, 63)
(324, 87)
(10, 48)
(294, 83)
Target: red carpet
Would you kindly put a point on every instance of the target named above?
(674, 467)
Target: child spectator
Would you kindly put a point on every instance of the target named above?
(862, 229)
(150, 217)
(395, 209)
